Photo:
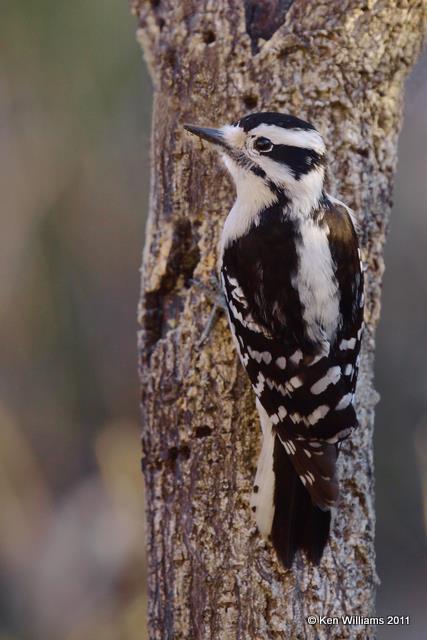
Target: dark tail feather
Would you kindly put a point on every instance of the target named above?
(297, 523)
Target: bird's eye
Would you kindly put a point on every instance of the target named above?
(263, 145)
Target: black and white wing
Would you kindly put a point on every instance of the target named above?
(304, 380)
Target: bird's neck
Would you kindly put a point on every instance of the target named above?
(304, 195)
(255, 194)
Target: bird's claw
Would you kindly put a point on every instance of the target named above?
(215, 295)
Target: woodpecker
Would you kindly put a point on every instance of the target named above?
(291, 272)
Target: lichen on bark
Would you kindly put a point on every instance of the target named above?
(341, 65)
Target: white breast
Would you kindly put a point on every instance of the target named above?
(316, 283)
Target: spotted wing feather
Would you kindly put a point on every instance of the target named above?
(305, 386)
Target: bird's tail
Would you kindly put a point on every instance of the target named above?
(295, 487)
(262, 501)
(297, 523)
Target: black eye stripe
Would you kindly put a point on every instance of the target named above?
(298, 159)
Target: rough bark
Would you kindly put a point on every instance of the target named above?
(340, 64)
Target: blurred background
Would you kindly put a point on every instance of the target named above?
(75, 105)
(75, 109)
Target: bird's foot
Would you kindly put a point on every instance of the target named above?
(215, 295)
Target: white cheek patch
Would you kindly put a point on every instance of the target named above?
(305, 192)
(276, 171)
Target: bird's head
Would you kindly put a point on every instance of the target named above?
(272, 151)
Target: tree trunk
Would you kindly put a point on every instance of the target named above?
(340, 64)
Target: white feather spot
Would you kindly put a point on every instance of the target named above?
(344, 402)
(275, 385)
(247, 322)
(238, 295)
(348, 344)
(318, 414)
(260, 356)
(296, 382)
(259, 386)
(296, 357)
(232, 281)
(332, 376)
(281, 362)
(289, 446)
(310, 477)
(296, 417)
(286, 445)
(282, 412)
(339, 436)
(348, 370)
(239, 345)
(255, 355)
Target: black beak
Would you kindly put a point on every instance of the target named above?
(214, 136)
